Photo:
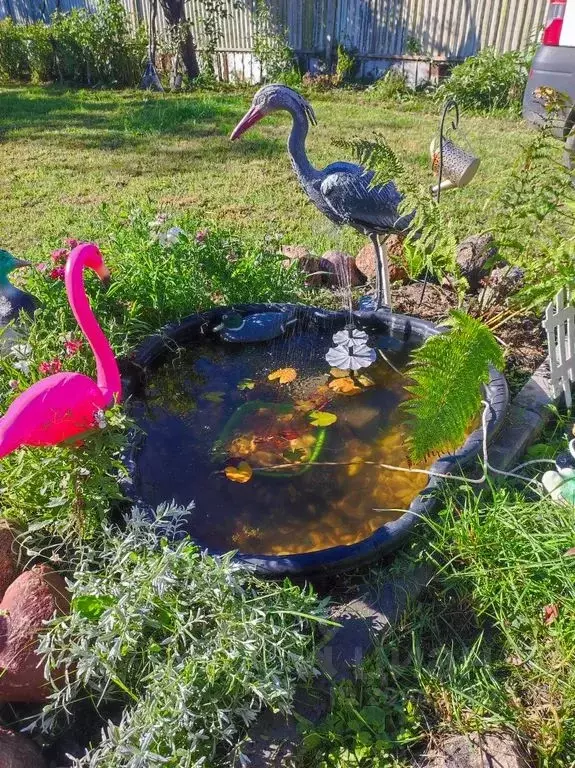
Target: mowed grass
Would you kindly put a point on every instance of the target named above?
(64, 153)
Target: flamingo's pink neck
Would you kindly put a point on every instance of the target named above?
(108, 374)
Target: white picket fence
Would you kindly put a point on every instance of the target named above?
(559, 325)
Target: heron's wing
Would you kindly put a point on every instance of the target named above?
(372, 208)
(341, 166)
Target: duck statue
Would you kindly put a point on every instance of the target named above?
(261, 326)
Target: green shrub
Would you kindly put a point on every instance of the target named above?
(489, 80)
(346, 66)
(393, 85)
(14, 58)
(79, 47)
(193, 646)
(67, 491)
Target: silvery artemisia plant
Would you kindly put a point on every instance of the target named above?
(193, 645)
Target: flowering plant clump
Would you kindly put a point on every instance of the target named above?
(49, 367)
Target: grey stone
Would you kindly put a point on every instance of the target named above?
(490, 750)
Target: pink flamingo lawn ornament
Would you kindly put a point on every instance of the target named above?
(65, 405)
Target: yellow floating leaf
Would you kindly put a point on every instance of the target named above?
(339, 373)
(345, 386)
(354, 466)
(283, 375)
(322, 418)
(365, 381)
(240, 474)
(214, 397)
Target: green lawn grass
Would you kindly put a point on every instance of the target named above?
(64, 153)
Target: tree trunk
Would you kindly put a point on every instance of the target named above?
(175, 15)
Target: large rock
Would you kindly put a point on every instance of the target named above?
(9, 554)
(16, 751)
(477, 751)
(473, 254)
(346, 271)
(32, 599)
(319, 271)
(365, 259)
(501, 283)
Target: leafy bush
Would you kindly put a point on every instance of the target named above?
(66, 491)
(393, 85)
(194, 646)
(346, 65)
(271, 47)
(489, 80)
(79, 47)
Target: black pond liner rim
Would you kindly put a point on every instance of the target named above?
(199, 327)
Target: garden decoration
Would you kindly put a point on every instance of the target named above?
(559, 325)
(261, 326)
(66, 405)
(560, 483)
(342, 190)
(150, 80)
(296, 460)
(12, 299)
(455, 167)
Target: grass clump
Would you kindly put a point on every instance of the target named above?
(489, 646)
(192, 646)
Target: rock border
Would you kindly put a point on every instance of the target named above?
(274, 738)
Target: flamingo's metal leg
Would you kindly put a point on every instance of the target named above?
(382, 283)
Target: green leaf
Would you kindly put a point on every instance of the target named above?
(322, 418)
(293, 455)
(214, 397)
(91, 607)
(246, 384)
(448, 371)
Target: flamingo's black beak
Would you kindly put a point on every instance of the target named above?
(251, 117)
(104, 274)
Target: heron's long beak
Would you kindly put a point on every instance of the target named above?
(251, 117)
(104, 274)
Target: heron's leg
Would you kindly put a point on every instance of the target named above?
(382, 283)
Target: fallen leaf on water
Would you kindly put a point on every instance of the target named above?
(246, 384)
(345, 386)
(322, 418)
(284, 375)
(214, 397)
(240, 474)
(354, 466)
(339, 373)
(550, 613)
(365, 381)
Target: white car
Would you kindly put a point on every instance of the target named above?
(554, 66)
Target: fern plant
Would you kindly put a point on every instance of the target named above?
(431, 243)
(447, 372)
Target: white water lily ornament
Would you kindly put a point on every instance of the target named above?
(351, 351)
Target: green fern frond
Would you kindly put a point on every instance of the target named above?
(448, 371)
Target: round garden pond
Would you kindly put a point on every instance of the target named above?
(275, 446)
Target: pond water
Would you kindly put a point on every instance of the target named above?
(211, 409)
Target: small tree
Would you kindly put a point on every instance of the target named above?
(175, 14)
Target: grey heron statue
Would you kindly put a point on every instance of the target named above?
(342, 190)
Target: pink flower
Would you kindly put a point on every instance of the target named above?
(42, 266)
(13, 384)
(71, 242)
(50, 367)
(201, 235)
(72, 347)
(59, 256)
(57, 273)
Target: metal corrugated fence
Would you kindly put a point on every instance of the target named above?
(380, 32)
